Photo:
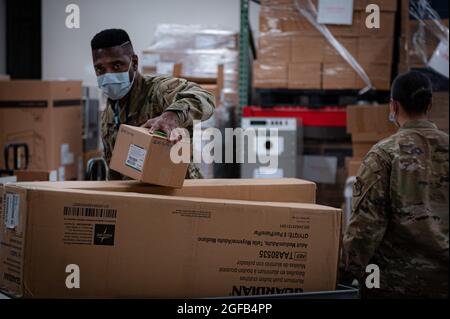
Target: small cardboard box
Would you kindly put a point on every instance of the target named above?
(338, 76)
(274, 48)
(146, 158)
(273, 75)
(304, 76)
(306, 49)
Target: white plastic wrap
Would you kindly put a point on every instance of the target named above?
(199, 49)
(430, 24)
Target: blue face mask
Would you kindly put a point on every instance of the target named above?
(115, 85)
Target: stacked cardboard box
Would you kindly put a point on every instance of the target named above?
(127, 240)
(368, 124)
(199, 50)
(47, 116)
(439, 111)
(293, 54)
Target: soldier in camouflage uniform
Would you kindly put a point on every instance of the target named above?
(400, 202)
(157, 102)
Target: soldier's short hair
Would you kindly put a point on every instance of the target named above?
(413, 90)
(110, 38)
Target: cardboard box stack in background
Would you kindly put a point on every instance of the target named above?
(47, 116)
(292, 53)
(368, 124)
(131, 244)
(439, 111)
(199, 50)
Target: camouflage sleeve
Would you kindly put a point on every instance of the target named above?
(370, 215)
(188, 99)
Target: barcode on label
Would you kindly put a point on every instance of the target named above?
(90, 212)
(136, 157)
(12, 202)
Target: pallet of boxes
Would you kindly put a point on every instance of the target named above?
(293, 54)
(209, 238)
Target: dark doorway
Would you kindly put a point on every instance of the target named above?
(23, 39)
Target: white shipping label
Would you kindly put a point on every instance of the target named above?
(335, 12)
(439, 60)
(136, 157)
(12, 202)
(53, 176)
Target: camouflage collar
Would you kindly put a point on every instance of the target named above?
(419, 124)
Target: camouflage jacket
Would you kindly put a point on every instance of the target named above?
(149, 98)
(400, 214)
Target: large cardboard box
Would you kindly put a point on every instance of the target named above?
(304, 76)
(270, 75)
(266, 190)
(379, 74)
(333, 56)
(375, 50)
(439, 111)
(353, 164)
(129, 245)
(36, 175)
(146, 158)
(369, 123)
(360, 149)
(274, 48)
(306, 49)
(47, 116)
(338, 76)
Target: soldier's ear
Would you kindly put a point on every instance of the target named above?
(392, 106)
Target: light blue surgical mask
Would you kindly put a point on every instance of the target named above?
(116, 85)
